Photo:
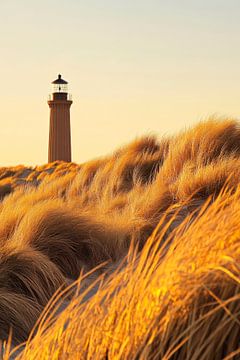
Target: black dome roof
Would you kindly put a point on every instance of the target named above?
(59, 80)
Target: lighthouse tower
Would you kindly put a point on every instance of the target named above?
(59, 131)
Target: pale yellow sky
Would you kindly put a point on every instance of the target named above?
(134, 67)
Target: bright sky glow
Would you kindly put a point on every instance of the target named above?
(134, 67)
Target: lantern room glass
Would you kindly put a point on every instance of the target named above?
(59, 88)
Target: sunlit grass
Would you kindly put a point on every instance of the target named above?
(160, 220)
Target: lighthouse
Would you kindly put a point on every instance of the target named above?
(60, 130)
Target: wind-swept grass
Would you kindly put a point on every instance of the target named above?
(160, 220)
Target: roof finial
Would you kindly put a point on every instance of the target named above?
(59, 76)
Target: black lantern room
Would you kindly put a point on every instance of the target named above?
(60, 85)
(59, 88)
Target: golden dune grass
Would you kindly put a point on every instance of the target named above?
(160, 220)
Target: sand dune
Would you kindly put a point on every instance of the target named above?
(159, 218)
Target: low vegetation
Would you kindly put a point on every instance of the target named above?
(131, 256)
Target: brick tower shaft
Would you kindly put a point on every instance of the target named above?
(59, 132)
